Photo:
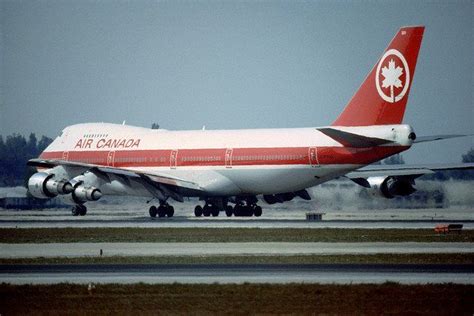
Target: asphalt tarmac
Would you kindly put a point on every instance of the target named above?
(33, 250)
(133, 214)
(366, 219)
(237, 273)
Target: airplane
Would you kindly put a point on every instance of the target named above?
(231, 169)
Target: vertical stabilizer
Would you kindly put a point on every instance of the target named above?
(382, 97)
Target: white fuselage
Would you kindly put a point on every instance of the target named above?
(225, 162)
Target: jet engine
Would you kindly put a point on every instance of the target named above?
(42, 185)
(82, 193)
(392, 186)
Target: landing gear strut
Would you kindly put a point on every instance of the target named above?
(79, 209)
(163, 210)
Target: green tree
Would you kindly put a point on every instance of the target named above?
(43, 143)
(31, 146)
(15, 151)
(469, 156)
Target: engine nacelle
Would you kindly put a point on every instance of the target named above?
(42, 185)
(389, 187)
(83, 194)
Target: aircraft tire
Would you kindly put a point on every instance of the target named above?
(214, 211)
(75, 210)
(248, 211)
(257, 211)
(229, 210)
(82, 210)
(206, 211)
(161, 211)
(152, 211)
(238, 210)
(198, 211)
(170, 211)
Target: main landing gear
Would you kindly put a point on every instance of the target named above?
(245, 210)
(79, 209)
(246, 207)
(207, 210)
(163, 210)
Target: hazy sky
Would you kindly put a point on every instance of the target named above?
(228, 64)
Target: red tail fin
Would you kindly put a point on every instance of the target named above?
(383, 96)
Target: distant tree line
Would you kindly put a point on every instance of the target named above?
(455, 174)
(15, 151)
(394, 160)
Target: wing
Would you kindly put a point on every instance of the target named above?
(408, 171)
(159, 185)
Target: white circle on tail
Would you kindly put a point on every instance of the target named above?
(392, 74)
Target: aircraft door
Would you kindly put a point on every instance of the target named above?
(313, 157)
(111, 158)
(228, 158)
(173, 159)
(65, 155)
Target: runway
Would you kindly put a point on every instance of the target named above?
(235, 223)
(135, 217)
(238, 273)
(133, 214)
(49, 250)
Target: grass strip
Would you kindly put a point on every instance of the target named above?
(205, 299)
(455, 258)
(124, 234)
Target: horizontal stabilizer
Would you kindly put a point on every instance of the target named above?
(422, 139)
(353, 140)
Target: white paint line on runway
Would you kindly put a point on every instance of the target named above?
(209, 249)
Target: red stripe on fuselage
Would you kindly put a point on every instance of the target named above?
(239, 156)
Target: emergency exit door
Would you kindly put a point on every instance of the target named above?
(313, 157)
(173, 159)
(228, 158)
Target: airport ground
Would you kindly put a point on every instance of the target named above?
(205, 299)
(279, 263)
